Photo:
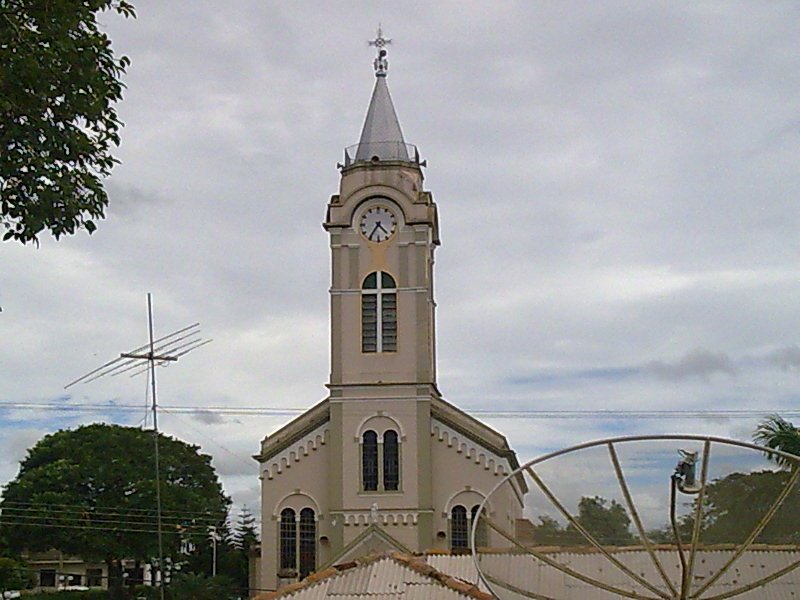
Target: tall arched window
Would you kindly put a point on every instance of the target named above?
(288, 540)
(379, 313)
(369, 461)
(459, 528)
(298, 543)
(481, 533)
(308, 542)
(391, 461)
(380, 461)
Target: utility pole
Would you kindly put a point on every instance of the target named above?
(157, 352)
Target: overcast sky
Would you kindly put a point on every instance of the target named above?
(618, 193)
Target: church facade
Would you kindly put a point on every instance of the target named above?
(384, 462)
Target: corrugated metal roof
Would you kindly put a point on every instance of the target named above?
(389, 577)
(400, 577)
(529, 573)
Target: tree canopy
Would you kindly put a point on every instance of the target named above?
(91, 492)
(13, 576)
(59, 80)
(735, 504)
(777, 433)
(606, 521)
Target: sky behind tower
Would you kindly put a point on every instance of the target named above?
(617, 185)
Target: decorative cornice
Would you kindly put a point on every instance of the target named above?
(296, 452)
(469, 449)
(365, 517)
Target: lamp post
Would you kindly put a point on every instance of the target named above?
(213, 536)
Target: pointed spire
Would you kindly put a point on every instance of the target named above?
(381, 136)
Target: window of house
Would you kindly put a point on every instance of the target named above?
(379, 313)
(47, 578)
(288, 540)
(298, 543)
(94, 577)
(380, 462)
(461, 522)
(74, 579)
(369, 461)
(391, 461)
(459, 528)
(308, 542)
(481, 532)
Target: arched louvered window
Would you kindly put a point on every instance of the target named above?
(379, 313)
(369, 461)
(459, 528)
(481, 533)
(391, 462)
(288, 540)
(308, 542)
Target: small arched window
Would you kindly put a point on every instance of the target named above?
(391, 462)
(308, 542)
(288, 540)
(379, 313)
(459, 528)
(369, 461)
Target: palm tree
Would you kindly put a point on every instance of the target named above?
(779, 434)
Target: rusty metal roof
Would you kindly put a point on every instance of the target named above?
(391, 576)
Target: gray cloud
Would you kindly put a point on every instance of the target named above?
(617, 183)
(787, 358)
(697, 363)
(208, 417)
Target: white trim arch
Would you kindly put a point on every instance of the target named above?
(297, 507)
(467, 498)
(380, 429)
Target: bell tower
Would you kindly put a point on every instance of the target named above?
(383, 231)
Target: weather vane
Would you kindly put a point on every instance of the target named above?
(380, 64)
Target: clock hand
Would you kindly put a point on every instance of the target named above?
(374, 229)
(381, 226)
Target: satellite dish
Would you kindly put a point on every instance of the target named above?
(672, 517)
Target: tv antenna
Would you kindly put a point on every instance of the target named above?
(144, 359)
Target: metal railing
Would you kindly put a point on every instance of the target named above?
(381, 151)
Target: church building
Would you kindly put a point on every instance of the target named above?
(384, 462)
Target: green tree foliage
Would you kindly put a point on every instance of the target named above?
(91, 492)
(735, 504)
(245, 536)
(13, 576)
(59, 80)
(191, 586)
(778, 434)
(606, 521)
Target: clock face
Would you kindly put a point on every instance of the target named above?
(378, 224)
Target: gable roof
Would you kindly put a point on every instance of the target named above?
(390, 576)
(372, 541)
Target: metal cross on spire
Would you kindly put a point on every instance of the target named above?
(381, 64)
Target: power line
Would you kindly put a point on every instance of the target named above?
(86, 516)
(487, 413)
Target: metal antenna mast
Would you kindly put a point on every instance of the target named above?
(157, 352)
